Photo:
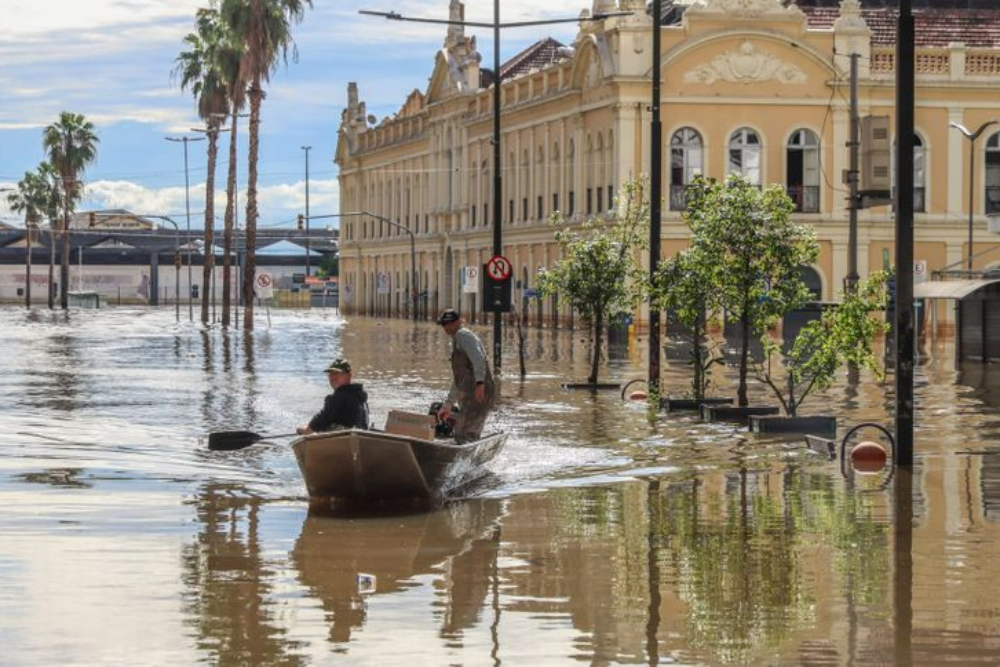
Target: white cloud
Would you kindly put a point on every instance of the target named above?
(278, 203)
(25, 18)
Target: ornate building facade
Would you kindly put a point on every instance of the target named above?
(758, 87)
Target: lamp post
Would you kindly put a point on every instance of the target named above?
(655, 195)
(415, 293)
(496, 26)
(972, 136)
(307, 149)
(187, 202)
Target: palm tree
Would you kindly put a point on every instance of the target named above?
(209, 68)
(71, 145)
(34, 197)
(263, 27)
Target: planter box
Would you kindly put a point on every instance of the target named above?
(674, 404)
(588, 385)
(728, 413)
(816, 425)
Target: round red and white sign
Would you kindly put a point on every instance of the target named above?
(263, 280)
(499, 267)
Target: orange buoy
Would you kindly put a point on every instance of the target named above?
(868, 457)
(638, 395)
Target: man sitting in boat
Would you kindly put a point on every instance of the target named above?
(346, 407)
(472, 386)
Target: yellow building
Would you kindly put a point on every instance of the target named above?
(759, 87)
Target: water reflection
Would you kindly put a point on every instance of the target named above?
(600, 538)
(330, 553)
(229, 584)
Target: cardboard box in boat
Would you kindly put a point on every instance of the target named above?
(410, 424)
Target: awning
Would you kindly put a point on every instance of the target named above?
(949, 289)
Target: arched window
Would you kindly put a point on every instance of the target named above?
(540, 171)
(589, 160)
(993, 174)
(570, 192)
(802, 170)
(919, 174)
(686, 162)
(612, 174)
(555, 177)
(745, 155)
(525, 183)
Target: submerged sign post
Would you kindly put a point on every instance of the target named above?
(264, 286)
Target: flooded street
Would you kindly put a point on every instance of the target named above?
(599, 538)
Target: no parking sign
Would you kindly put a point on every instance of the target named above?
(264, 286)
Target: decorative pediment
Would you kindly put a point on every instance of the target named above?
(747, 9)
(747, 65)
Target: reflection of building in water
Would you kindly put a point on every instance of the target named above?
(229, 584)
(460, 540)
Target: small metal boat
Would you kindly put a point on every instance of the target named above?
(372, 468)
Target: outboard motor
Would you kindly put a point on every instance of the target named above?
(443, 427)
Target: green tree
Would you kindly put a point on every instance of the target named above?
(599, 275)
(36, 197)
(209, 68)
(71, 145)
(682, 286)
(844, 333)
(263, 29)
(755, 251)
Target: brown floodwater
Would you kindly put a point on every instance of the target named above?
(599, 537)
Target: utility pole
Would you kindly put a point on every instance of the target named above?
(187, 202)
(497, 185)
(854, 145)
(307, 149)
(655, 195)
(904, 325)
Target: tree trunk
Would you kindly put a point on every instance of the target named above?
(227, 234)
(699, 360)
(595, 360)
(64, 259)
(741, 393)
(209, 255)
(27, 267)
(52, 268)
(250, 268)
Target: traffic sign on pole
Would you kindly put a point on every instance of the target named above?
(499, 267)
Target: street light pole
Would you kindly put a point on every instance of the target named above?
(972, 136)
(655, 195)
(307, 149)
(413, 246)
(187, 203)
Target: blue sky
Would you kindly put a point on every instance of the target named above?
(111, 60)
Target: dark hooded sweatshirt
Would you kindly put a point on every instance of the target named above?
(346, 407)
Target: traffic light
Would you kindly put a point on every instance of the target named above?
(93, 219)
(301, 222)
(495, 292)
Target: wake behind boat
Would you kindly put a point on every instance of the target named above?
(369, 468)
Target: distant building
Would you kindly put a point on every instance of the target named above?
(110, 219)
(756, 87)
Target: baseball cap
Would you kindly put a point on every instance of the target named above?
(339, 366)
(448, 316)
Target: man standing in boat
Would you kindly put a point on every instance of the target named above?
(346, 407)
(472, 387)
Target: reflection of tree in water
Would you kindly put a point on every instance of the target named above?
(461, 540)
(738, 563)
(228, 584)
